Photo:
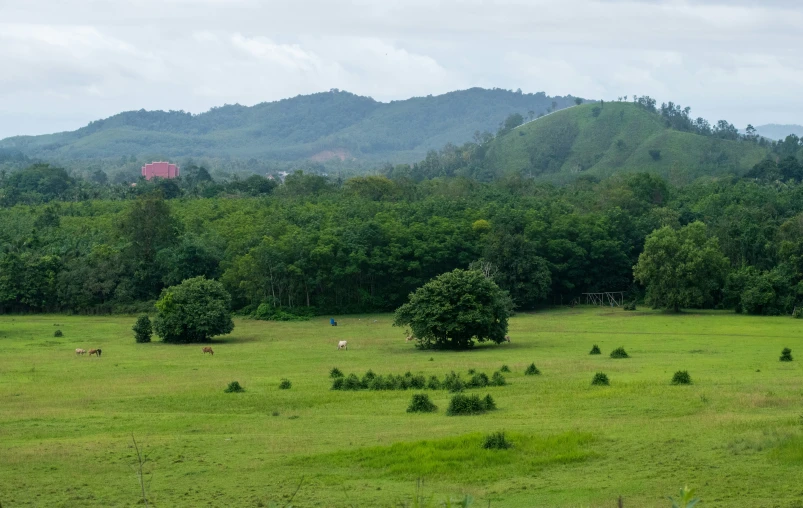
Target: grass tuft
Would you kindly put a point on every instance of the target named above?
(504, 368)
(496, 441)
(58, 333)
(786, 355)
(681, 377)
(234, 387)
(595, 350)
(420, 403)
(532, 370)
(619, 353)
(285, 384)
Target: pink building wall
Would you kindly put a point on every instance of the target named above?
(159, 170)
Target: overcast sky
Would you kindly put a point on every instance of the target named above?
(64, 63)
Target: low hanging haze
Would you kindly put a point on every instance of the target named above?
(67, 62)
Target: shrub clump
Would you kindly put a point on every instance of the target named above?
(470, 405)
(338, 383)
(498, 379)
(352, 382)
(496, 441)
(504, 368)
(595, 350)
(532, 370)
(58, 333)
(619, 353)
(600, 378)
(453, 383)
(681, 377)
(479, 381)
(421, 404)
(285, 384)
(786, 355)
(630, 305)
(335, 373)
(234, 387)
(143, 330)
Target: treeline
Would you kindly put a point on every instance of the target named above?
(311, 244)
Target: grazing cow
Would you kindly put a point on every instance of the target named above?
(507, 338)
(80, 351)
(208, 349)
(95, 352)
(410, 337)
(343, 344)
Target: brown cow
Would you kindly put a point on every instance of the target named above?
(95, 352)
(208, 349)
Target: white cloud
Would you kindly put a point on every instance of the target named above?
(68, 62)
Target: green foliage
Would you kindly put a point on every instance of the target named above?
(194, 311)
(630, 305)
(600, 379)
(655, 154)
(58, 333)
(285, 384)
(455, 309)
(786, 355)
(453, 383)
(420, 403)
(532, 370)
(267, 312)
(686, 499)
(595, 350)
(681, 268)
(681, 377)
(335, 373)
(619, 353)
(142, 329)
(469, 405)
(496, 441)
(234, 387)
(504, 368)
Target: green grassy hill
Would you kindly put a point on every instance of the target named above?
(620, 138)
(333, 125)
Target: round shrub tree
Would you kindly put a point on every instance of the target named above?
(194, 311)
(142, 329)
(455, 309)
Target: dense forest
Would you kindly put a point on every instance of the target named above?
(312, 244)
(335, 131)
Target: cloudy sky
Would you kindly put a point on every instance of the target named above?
(64, 63)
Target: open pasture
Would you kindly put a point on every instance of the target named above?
(735, 434)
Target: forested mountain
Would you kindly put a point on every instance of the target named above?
(600, 139)
(322, 127)
(776, 132)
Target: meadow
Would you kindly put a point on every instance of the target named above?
(735, 434)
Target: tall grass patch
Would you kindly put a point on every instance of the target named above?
(461, 458)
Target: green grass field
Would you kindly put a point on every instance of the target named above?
(735, 435)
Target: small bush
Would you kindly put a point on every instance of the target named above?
(434, 383)
(58, 333)
(421, 404)
(367, 378)
(418, 382)
(338, 383)
(532, 370)
(469, 405)
(453, 383)
(681, 377)
(471, 372)
(234, 387)
(377, 383)
(595, 350)
(285, 384)
(504, 368)
(498, 379)
(489, 403)
(335, 373)
(786, 355)
(655, 154)
(630, 305)
(496, 441)
(478, 381)
(619, 353)
(601, 379)
(143, 330)
(797, 313)
(352, 382)
(275, 413)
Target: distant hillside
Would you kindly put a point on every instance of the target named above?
(617, 137)
(775, 132)
(325, 126)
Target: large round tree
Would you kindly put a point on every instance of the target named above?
(681, 268)
(194, 311)
(455, 309)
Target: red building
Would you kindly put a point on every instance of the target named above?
(159, 170)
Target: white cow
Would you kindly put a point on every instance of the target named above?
(343, 344)
(80, 351)
(410, 338)
(507, 338)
